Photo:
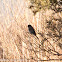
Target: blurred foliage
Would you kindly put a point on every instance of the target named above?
(37, 5)
(53, 1)
(60, 45)
(54, 28)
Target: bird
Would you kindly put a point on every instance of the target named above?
(31, 30)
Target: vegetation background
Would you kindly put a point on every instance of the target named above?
(17, 44)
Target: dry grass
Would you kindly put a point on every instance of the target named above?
(16, 43)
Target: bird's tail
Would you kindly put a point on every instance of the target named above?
(37, 37)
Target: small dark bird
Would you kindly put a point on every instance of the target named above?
(31, 30)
